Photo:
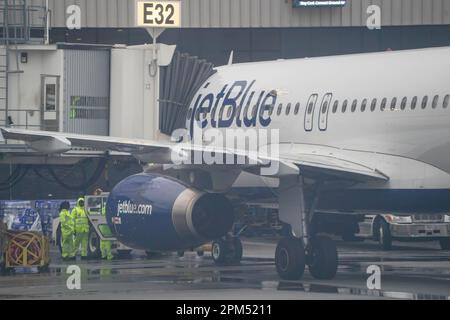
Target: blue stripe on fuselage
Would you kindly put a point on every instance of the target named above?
(412, 200)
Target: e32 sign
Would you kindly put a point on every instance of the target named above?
(158, 14)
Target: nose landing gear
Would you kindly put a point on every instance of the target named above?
(227, 251)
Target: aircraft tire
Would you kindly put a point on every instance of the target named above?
(323, 259)
(290, 259)
(219, 251)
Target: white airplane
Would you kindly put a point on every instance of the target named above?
(368, 130)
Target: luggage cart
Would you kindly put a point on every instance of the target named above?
(25, 249)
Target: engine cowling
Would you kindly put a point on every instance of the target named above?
(159, 213)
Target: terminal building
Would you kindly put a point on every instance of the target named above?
(92, 80)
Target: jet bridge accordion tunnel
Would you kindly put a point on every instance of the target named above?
(179, 81)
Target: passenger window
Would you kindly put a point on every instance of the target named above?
(335, 106)
(344, 106)
(404, 103)
(364, 105)
(424, 102)
(435, 101)
(383, 104)
(446, 101)
(310, 107)
(414, 103)
(325, 107)
(374, 105)
(280, 109)
(393, 104)
(297, 108)
(288, 109)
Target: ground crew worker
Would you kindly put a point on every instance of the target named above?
(106, 245)
(67, 231)
(81, 229)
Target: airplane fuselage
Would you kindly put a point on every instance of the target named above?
(388, 110)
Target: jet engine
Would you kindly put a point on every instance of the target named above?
(159, 213)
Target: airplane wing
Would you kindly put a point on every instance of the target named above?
(55, 142)
(308, 164)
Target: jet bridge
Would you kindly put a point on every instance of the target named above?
(179, 82)
(151, 88)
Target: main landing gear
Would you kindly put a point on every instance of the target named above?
(291, 258)
(303, 248)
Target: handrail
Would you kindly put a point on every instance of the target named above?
(26, 125)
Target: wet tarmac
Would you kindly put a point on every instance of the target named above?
(410, 271)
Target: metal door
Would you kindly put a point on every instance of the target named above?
(324, 111)
(86, 91)
(309, 112)
(50, 102)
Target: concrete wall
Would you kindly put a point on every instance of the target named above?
(25, 87)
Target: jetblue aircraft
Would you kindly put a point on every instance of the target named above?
(365, 131)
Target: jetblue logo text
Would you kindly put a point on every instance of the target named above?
(128, 207)
(236, 104)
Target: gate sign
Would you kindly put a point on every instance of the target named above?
(158, 14)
